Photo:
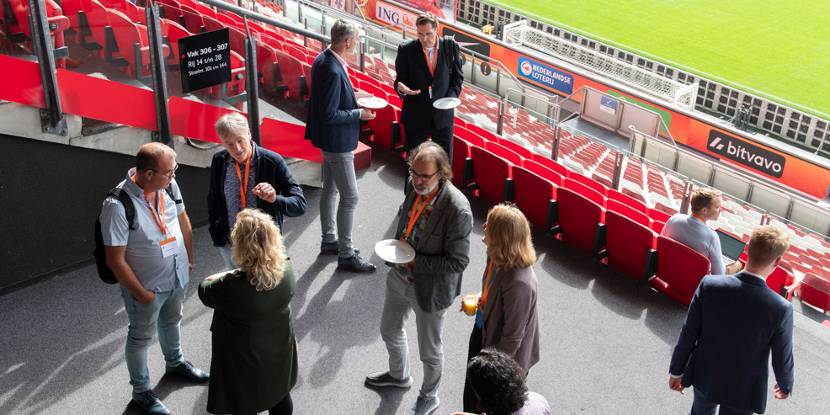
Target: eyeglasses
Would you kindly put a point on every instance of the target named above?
(416, 175)
(170, 174)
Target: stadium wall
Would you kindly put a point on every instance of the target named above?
(52, 194)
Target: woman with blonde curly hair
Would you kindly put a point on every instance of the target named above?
(254, 361)
(506, 317)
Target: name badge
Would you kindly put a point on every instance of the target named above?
(169, 247)
(430, 91)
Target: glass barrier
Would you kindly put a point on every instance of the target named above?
(809, 252)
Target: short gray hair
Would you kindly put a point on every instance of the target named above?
(343, 30)
(232, 122)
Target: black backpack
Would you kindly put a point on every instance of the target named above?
(104, 271)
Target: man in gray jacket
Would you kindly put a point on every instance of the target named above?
(436, 220)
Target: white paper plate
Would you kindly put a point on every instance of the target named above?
(446, 103)
(372, 103)
(395, 251)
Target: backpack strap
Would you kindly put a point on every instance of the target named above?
(169, 190)
(129, 208)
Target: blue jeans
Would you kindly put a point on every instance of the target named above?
(702, 406)
(338, 177)
(165, 311)
(225, 252)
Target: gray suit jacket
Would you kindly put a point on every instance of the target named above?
(443, 248)
(511, 317)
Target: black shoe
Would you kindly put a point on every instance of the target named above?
(189, 372)
(150, 403)
(355, 263)
(331, 248)
(384, 379)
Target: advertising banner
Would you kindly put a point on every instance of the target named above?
(545, 75)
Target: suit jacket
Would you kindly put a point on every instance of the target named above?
(511, 319)
(333, 122)
(733, 324)
(443, 248)
(411, 68)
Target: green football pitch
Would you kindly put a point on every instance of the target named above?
(778, 49)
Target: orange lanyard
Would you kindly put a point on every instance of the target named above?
(158, 214)
(243, 187)
(431, 65)
(415, 212)
(487, 277)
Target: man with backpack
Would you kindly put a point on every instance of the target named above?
(146, 235)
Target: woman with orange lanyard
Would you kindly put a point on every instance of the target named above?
(506, 316)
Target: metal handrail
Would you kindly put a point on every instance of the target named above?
(265, 19)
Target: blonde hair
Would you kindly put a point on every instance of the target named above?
(508, 238)
(767, 244)
(258, 249)
(703, 198)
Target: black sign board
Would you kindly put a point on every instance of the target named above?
(205, 60)
(754, 157)
(482, 47)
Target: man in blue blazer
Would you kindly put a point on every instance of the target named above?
(333, 126)
(733, 324)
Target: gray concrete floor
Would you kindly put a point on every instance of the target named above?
(606, 343)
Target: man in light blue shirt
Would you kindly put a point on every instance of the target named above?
(692, 231)
(152, 261)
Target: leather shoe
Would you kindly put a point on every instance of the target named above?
(355, 263)
(188, 372)
(150, 403)
(331, 248)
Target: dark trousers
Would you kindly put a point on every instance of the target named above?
(476, 342)
(417, 134)
(702, 406)
(283, 407)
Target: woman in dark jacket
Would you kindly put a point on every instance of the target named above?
(507, 318)
(254, 362)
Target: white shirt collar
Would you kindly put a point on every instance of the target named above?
(339, 58)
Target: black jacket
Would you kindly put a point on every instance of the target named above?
(269, 167)
(411, 68)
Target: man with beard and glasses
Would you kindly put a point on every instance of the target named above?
(436, 220)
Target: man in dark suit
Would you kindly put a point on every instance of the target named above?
(436, 220)
(333, 126)
(733, 324)
(428, 69)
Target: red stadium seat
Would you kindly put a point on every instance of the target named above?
(293, 75)
(491, 174)
(630, 246)
(815, 292)
(462, 163)
(132, 44)
(628, 200)
(585, 191)
(504, 152)
(516, 148)
(659, 215)
(679, 270)
(579, 220)
(593, 184)
(544, 172)
(486, 134)
(629, 212)
(551, 164)
(779, 280)
(535, 196)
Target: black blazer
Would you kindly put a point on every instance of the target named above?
(333, 123)
(734, 322)
(412, 70)
(443, 249)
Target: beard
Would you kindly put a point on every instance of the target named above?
(425, 190)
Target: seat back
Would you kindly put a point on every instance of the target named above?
(628, 200)
(584, 190)
(551, 164)
(460, 157)
(516, 148)
(679, 269)
(543, 171)
(628, 243)
(779, 279)
(578, 219)
(504, 152)
(534, 195)
(587, 181)
(815, 291)
(659, 215)
(490, 173)
(637, 216)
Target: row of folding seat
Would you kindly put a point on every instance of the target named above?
(14, 21)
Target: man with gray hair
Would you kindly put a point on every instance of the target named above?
(436, 220)
(247, 175)
(333, 126)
